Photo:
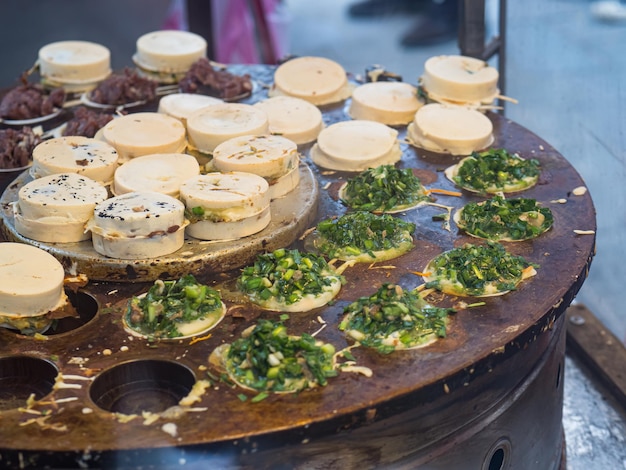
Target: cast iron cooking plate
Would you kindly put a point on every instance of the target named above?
(514, 329)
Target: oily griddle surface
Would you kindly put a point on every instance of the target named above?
(479, 338)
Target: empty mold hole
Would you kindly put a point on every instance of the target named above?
(23, 376)
(146, 385)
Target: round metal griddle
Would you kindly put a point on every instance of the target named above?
(500, 367)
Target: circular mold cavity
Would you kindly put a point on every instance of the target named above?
(147, 385)
(23, 376)
(86, 307)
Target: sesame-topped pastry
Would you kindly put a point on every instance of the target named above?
(75, 154)
(55, 208)
(138, 225)
(226, 206)
(273, 157)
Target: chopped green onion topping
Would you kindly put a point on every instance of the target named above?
(269, 360)
(170, 304)
(383, 189)
(473, 269)
(287, 276)
(362, 232)
(499, 218)
(394, 318)
(496, 170)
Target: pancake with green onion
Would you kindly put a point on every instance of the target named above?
(290, 281)
(394, 319)
(500, 219)
(174, 310)
(266, 359)
(494, 171)
(477, 271)
(362, 237)
(384, 189)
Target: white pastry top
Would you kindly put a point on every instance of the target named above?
(75, 154)
(210, 126)
(161, 173)
(269, 156)
(139, 134)
(226, 197)
(181, 105)
(450, 129)
(356, 146)
(66, 195)
(31, 281)
(314, 79)
(293, 118)
(169, 50)
(460, 80)
(74, 62)
(391, 103)
(137, 215)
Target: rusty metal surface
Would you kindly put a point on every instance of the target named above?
(502, 340)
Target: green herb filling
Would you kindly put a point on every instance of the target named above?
(496, 170)
(169, 304)
(266, 358)
(363, 232)
(384, 188)
(499, 218)
(476, 269)
(286, 276)
(394, 318)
